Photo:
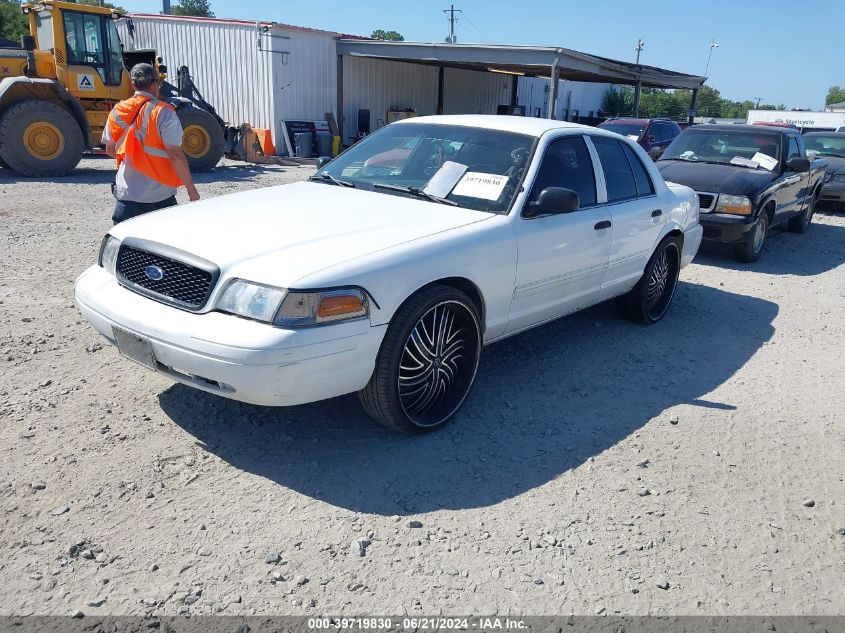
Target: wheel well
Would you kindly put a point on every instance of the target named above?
(25, 89)
(770, 210)
(469, 289)
(677, 233)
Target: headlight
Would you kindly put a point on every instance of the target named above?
(250, 300)
(322, 306)
(108, 253)
(837, 178)
(735, 205)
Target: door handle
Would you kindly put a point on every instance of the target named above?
(604, 224)
(656, 213)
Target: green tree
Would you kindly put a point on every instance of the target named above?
(13, 22)
(618, 101)
(835, 94)
(198, 8)
(392, 36)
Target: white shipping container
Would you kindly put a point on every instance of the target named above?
(250, 73)
(574, 98)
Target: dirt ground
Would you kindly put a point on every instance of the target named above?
(595, 464)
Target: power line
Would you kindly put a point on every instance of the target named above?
(452, 19)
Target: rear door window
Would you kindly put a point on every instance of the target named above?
(618, 175)
(644, 185)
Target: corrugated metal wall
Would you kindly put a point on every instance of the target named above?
(244, 84)
(380, 85)
(584, 97)
(473, 92)
(305, 80)
(227, 67)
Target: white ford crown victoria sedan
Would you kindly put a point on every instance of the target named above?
(388, 271)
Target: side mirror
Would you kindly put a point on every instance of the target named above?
(554, 200)
(798, 164)
(322, 161)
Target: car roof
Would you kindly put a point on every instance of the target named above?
(505, 123)
(757, 129)
(828, 134)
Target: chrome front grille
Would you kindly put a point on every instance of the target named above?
(706, 201)
(174, 278)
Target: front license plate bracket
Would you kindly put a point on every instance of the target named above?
(135, 348)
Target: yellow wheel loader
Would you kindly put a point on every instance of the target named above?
(57, 88)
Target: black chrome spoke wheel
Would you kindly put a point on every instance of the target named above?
(438, 363)
(427, 362)
(649, 299)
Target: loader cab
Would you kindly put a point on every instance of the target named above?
(84, 43)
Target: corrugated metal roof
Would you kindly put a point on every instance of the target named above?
(239, 22)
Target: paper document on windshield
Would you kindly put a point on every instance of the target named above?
(476, 184)
(442, 183)
(633, 137)
(765, 161)
(744, 162)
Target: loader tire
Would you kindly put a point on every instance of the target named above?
(40, 139)
(202, 139)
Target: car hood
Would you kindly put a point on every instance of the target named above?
(833, 164)
(729, 179)
(278, 235)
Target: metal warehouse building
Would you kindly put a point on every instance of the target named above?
(262, 73)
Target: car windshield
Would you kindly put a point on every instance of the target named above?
(721, 146)
(625, 129)
(826, 145)
(470, 167)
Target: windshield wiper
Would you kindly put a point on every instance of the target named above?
(419, 193)
(831, 154)
(326, 177)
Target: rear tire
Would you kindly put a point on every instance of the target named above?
(801, 222)
(649, 300)
(751, 248)
(40, 139)
(202, 139)
(427, 362)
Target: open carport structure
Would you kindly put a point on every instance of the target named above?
(438, 63)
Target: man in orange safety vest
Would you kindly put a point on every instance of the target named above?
(144, 135)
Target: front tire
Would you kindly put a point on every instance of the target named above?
(750, 249)
(649, 300)
(427, 362)
(40, 139)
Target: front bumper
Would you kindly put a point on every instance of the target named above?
(833, 192)
(234, 357)
(729, 229)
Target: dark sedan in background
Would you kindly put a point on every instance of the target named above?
(831, 147)
(748, 178)
(653, 135)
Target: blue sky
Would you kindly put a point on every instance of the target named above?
(786, 52)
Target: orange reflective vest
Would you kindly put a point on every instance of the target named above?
(133, 126)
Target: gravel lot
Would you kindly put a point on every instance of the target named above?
(596, 463)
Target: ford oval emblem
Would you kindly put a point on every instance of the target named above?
(154, 273)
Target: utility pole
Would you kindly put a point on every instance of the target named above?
(757, 107)
(452, 19)
(713, 45)
(165, 7)
(639, 48)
